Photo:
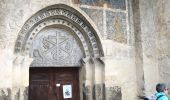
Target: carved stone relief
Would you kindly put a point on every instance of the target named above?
(99, 91)
(87, 92)
(55, 47)
(39, 19)
(113, 93)
(5, 94)
(57, 22)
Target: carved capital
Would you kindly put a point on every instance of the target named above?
(100, 59)
(84, 60)
(18, 60)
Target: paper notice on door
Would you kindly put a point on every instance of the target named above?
(67, 91)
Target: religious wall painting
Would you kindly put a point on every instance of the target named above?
(116, 26)
(116, 4)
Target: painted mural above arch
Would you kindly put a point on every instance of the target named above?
(65, 16)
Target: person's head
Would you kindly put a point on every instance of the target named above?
(161, 87)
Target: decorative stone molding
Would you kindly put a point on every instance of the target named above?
(62, 15)
(101, 60)
(84, 60)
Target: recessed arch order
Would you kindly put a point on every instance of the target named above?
(61, 15)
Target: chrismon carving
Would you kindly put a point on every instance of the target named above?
(54, 46)
(58, 22)
(49, 15)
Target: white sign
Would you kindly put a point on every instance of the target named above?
(67, 91)
(57, 85)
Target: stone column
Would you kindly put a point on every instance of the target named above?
(99, 79)
(20, 77)
(25, 78)
(112, 89)
(138, 46)
(16, 77)
(88, 84)
(148, 55)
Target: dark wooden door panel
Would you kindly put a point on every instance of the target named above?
(39, 92)
(54, 84)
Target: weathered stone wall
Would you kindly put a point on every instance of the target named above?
(154, 19)
(148, 38)
(118, 46)
(120, 71)
(163, 43)
(112, 21)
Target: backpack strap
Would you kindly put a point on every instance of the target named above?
(160, 96)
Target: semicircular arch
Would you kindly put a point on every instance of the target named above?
(60, 14)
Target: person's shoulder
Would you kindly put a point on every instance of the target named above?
(163, 98)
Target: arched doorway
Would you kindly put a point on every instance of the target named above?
(54, 83)
(61, 40)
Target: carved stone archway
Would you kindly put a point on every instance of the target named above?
(37, 38)
(70, 18)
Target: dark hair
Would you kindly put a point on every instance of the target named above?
(145, 99)
(160, 87)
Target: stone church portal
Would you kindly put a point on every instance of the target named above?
(60, 37)
(83, 49)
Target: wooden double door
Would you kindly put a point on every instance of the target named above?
(54, 84)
